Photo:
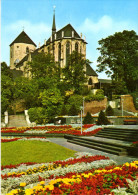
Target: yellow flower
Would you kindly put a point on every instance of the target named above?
(42, 182)
(23, 184)
(29, 192)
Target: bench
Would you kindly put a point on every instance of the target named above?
(130, 122)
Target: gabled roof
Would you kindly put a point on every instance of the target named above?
(26, 58)
(90, 71)
(67, 33)
(23, 38)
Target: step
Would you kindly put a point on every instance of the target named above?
(117, 138)
(113, 134)
(99, 148)
(104, 145)
(119, 129)
(94, 139)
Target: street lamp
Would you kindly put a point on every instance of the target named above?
(81, 108)
(122, 106)
(83, 105)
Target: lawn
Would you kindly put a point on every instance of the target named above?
(33, 151)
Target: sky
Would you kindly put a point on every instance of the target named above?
(95, 19)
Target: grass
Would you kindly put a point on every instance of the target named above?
(33, 151)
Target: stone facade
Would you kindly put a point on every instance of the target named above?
(60, 44)
(18, 51)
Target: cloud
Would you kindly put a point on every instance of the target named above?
(105, 25)
(95, 31)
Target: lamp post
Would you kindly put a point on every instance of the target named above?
(122, 106)
(83, 105)
(81, 108)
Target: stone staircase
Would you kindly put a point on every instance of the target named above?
(17, 121)
(110, 140)
(129, 135)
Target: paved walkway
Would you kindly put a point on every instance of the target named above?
(17, 121)
(119, 159)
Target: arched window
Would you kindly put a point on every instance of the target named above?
(67, 52)
(76, 47)
(90, 81)
(59, 52)
(27, 49)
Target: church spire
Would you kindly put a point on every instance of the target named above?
(54, 23)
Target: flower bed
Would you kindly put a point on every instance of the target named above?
(11, 139)
(100, 176)
(11, 178)
(54, 130)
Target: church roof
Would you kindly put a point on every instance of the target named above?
(23, 38)
(90, 71)
(26, 58)
(67, 33)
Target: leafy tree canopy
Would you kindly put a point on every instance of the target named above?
(119, 57)
(74, 72)
(43, 65)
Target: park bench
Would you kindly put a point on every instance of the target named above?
(130, 122)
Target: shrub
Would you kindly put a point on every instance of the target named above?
(109, 111)
(97, 97)
(100, 92)
(38, 115)
(88, 119)
(102, 119)
(73, 111)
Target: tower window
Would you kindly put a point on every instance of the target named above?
(90, 81)
(67, 52)
(27, 49)
(17, 46)
(76, 47)
(59, 52)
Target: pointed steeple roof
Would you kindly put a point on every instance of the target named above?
(54, 23)
(23, 38)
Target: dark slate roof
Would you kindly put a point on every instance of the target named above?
(90, 71)
(16, 73)
(26, 58)
(23, 38)
(105, 80)
(67, 33)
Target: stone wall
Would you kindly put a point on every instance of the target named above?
(95, 106)
(128, 103)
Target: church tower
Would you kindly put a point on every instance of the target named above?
(21, 46)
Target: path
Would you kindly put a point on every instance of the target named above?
(17, 121)
(119, 159)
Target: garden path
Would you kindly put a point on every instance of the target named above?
(17, 121)
(119, 159)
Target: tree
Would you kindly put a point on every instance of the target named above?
(73, 111)
(74, 72)
(119, 58)
(63, 111)
(109, 111)
(88, 119)
(43, 65)
(28, 90)
(102, 119)
(75, 99)
(52, 101)
(6, 87)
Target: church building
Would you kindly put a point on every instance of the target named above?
(60, 44)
